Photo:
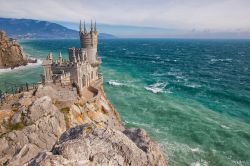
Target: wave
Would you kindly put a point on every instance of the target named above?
(156, 87)
(192, 85)
(29, 65)
(221, 60)
(118, 83)
(224, 127)
(199, 163)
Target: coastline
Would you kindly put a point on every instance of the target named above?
(29, 65)
(162, 115)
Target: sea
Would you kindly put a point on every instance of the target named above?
(191, 96)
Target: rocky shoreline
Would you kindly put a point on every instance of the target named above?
(36, 128)
(11, 53)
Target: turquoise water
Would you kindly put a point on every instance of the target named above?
(192, 96)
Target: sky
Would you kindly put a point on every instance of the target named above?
(192, 15)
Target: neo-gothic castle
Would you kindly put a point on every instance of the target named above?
(82, 67)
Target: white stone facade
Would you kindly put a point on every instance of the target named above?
(82, 67)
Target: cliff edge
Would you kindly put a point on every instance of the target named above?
(50, 126)
(11, 53)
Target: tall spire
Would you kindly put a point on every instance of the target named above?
(95, 27)
(91, 26)
(80, 27)
(60, 59)
(85, 31)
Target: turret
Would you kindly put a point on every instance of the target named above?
(50, 57)
(91, 27)
(95, 28)
(85, 31)
(89, 42)
(47, 72)
(60, 59)
(80, 26)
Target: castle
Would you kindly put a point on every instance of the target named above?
(81, 69)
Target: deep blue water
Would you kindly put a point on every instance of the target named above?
(192, 96)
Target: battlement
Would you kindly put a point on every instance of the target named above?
(88, 39)
(77, 54)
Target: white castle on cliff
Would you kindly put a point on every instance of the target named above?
(82, 67)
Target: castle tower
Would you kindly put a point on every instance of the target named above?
(60, 58)
(89, 41)
(47, 76)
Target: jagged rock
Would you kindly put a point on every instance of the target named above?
(33, 128)
(5, 116)
(42, 126)
(142, 140)
(92, 145)
(16, 118)
(11, 54)
(46, 91)
(99, 112)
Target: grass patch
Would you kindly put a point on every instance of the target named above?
(65, 112)
(14, 110)
(17, 126)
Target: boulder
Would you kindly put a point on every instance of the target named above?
(40, 128)
(94, 145)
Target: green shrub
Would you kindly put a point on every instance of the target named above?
(65, 112)
(17, 126)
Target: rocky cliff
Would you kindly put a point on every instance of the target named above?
(37, 128)
(11, 54)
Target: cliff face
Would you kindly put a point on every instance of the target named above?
(37, 128)
(11, 54)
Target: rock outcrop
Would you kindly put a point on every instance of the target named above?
(11, 53)
(40, 129)
(92, 145)
(31, 131)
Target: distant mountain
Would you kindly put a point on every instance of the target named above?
(35, 29)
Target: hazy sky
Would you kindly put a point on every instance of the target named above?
(218, 15)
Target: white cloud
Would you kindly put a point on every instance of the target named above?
(217, 15)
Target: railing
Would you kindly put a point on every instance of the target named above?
(10, 88)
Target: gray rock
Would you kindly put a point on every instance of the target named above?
(143, 141)
(45, 124)
(41, 107)
(16, 118)
(91, 145)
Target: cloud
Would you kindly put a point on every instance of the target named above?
(215, 15)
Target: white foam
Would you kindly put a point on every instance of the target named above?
(29, 65)
(116, 83)
(158, 74)
(221, 60)
(156, 87)
(199, 163)
(192, 85)
(224, 127)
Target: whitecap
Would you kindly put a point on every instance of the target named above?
(192, 85)
(220, 60)
(116, 83)
(199, 163)
(29, 65)
(157, 74)
(224, 127)
(156, 87)
(195, 149)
